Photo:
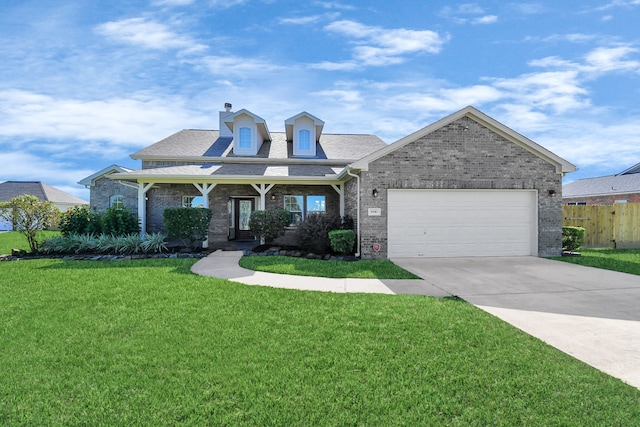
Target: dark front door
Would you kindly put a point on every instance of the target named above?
(243, 209)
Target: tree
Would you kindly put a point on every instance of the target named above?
(29, 216)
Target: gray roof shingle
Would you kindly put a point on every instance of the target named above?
(42, 191)
(199, 143)
(612, 184)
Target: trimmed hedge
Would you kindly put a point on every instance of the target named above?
(572, 238)
(269, 225)
(342, 241)
(187, 224)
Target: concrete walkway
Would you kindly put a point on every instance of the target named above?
(224, 264)
(590, 314)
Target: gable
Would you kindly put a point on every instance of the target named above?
(472, 117)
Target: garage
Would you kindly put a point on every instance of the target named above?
(462, 223)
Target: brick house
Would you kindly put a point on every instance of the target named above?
(465, 185)
(604, 190)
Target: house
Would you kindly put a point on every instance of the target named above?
(465, 185)
(44, 192)
(604, 190)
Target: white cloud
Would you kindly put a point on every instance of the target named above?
(303, 20)
(114, 124)
(238, 66)
(148, 34)
(173, 2)
(527, 8)
(619, 3)
(487, 19)
(377, 46)
(611, 59)
(335, 5)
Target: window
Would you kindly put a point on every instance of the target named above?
(192, 202)
(315, 204)
(299, 206)
(245, 138)
(621, 201)
(576, 203)
(116, 201)
(295, 205)
(304, 140)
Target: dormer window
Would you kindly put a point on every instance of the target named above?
(249, 132)
(304, 140)
(245, 138)
(303, 131)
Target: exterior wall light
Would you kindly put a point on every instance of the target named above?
(552, 193)
(273, 196)
(374, 193)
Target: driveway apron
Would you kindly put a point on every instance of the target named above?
(588, 313)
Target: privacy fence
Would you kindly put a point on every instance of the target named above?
(615, 226)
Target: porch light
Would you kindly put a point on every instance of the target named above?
(273, 196)
(374, 193)
(552, 193)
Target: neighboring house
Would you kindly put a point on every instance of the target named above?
(465, 185)
(604, 190)
(44, 192)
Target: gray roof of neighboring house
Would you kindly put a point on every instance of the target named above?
(208, 143)
(625, 182)
(42, 191)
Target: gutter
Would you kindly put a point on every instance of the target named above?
(357, 177)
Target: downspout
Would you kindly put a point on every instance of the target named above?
(357, 177)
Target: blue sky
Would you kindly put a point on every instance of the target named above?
(86, 83)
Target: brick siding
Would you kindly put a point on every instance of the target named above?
(461, 155)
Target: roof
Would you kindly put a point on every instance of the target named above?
(91, 179)
(562, 166)
(626, 182)
(203, 145)
(42, 191)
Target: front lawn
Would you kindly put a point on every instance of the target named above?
(145, 342)
(363, 269)
(623, 260)
(15, 240)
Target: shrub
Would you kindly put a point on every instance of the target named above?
(313, 232)
(572, 238)
(80, 220)
(120, 222)
(187, 224)
(342, 241)
(154, 243)
(269, 225)
(30, 216)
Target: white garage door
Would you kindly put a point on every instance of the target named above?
(457, 223)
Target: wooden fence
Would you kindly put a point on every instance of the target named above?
(615, 226)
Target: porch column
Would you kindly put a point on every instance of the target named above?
(263, 189)
(142, 206)
(340, 190)
(205, 189)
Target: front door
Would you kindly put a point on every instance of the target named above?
(243, 209)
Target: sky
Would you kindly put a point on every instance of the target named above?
(83, 84)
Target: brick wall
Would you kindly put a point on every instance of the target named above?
(104, 188)
(605, 200)
(461, 155)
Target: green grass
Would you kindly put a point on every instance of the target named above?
(624, 260)
(15, 240)
(363, 269)
(145, 342)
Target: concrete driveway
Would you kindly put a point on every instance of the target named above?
(591, 314)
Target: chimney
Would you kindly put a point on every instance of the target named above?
(225, 132)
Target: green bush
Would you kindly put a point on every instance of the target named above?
(269, 225)
(342, 241)
(80, 220)
(187, 224)
(105, 244)
(120, 222)
(572, 238)
(313, 232)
